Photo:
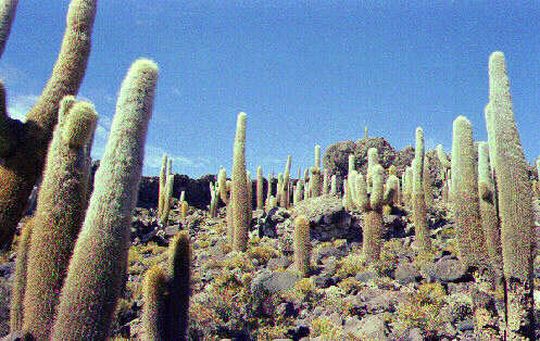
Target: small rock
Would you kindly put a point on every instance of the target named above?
(406, 273)
(448, 269)
(365, 277)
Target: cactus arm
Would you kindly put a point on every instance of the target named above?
(8, 8)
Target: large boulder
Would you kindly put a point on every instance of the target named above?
(328, 219)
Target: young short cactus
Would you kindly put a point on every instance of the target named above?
(466, 210)
(155, 308)
(162, 184)
(269, 189)
(61, 206)
(239, 190)
(514, 202)
(22, 162)
(326, 183)
(421, 231)
(166, 294)
(391, 193)
(302, 245)
(98, 265)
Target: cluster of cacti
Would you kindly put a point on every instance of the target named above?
(166, 186)
(357, 198)
(166, 294)
(23, 146)
(69, 292)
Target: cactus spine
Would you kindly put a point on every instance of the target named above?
(514, 202)
(302, 245)
(59, 214)
(421, 231)
(23, 161)
(98, 265)
(239, 190)
(260, 189)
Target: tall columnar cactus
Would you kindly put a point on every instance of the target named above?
(98, 265)
(19, 283)
(61, 205)
(326, 184)
(222, 184)
(214, 200)
(443, 160)
(298, 192)
(23, 146)
(514, 202)
(7, 14)
(239, 190)
(284, 186)
(333, 185)
(421, 231)
(488, 209)
(167, 198)
(269, 188)
(162, 184)
(315, 181)
(302, 245)
(466, 209)
(260, 189)
(166, 294)
(280, 193)
(407, 186)
(366, 135)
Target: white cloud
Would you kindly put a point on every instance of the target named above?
(154, 155)
(19, 106)
(11, 74)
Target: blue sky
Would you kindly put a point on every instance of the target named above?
(304, 72)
